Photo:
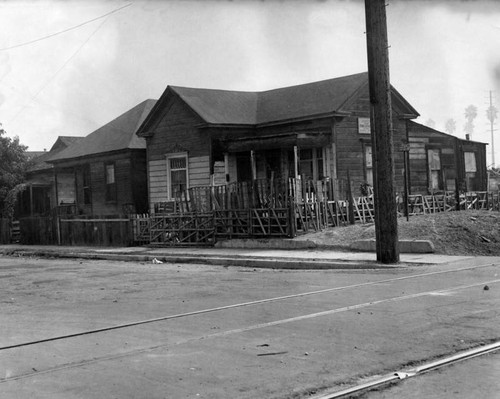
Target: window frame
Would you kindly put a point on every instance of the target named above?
(317, 162)
(368, 162)
(87, 185)
(168, 158)
(111, 194)
(438, 171)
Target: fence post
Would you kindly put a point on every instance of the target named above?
(350, 199)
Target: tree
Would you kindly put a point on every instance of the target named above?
(491, 113)
(470, 115)
(430, 123)
(451, 126)
(13, 166)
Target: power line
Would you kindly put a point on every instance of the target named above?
(65, 30)
(60, 68)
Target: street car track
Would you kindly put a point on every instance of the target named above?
(414, 372)
(237, 305)
(84, 362)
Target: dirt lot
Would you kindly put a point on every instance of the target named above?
(453, 233)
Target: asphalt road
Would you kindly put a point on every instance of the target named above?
(217, 332)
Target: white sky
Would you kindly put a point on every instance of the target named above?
(444, 56)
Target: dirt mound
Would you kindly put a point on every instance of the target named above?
(452, 233)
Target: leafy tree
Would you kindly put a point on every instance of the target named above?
(470, 115)
(451, 126)
(13, 165)
(430, 123)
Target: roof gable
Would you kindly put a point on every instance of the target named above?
(416, 127)
(62, 142)
(119, 134)
(223, 107)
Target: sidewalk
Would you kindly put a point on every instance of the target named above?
(300, 258)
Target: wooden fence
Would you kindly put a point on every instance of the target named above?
(258, 209)
(80, 230)
(104, 231)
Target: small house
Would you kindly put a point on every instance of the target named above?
(38, 196)
(105, 172)
(439, 161)
(315, 131)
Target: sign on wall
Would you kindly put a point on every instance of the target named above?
(364, 126)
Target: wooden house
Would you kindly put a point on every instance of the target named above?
(321, 130)
(439, 161)
(38, 196)
(105, 173)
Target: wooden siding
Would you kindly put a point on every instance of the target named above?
(418, 166)
(176, 131)
(199, 171)
(349, 145)
(130, 182)
(198, 176)
(157, 181)
(422, 139)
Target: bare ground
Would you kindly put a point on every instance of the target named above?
(452, 233)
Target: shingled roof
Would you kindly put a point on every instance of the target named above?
(224, 107)
(62, 142)
(119, 134)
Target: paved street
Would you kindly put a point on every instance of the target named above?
(205, 331)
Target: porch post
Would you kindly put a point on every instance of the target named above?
(56, 213)
(296, 161)
(226, 166)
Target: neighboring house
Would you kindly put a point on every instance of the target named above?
(39, 197)
(437, 161)
(105, 173)
(197, 137)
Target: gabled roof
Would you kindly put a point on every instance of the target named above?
(414, 126)
(119, 134)
(62, 142)
(220, 106)
(223, 107)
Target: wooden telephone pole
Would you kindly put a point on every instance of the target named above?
(386, 222)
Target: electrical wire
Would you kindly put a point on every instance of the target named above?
(65, 30)
(60, 69)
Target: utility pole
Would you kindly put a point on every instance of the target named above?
(386, 222)
(492, 114)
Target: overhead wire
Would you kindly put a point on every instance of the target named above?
(33, 97)
(65, 30)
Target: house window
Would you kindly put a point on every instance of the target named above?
(87, 193)
(177, 174)
(434, 163)
(110, 182)
(368, 165)
(311, 163)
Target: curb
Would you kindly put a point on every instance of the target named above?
(213, 260)
(405, 246)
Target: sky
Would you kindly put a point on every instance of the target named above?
(69, 67)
